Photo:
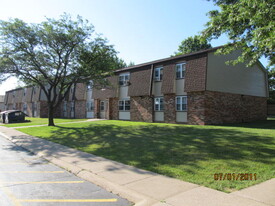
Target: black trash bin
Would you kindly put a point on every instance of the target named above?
(11, 116)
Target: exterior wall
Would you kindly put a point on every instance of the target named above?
(271, 109)
(180, 87)
(181, 117)
(196, 108)
(195, 75)
(159, 116)
(140, 82)
(169, 108)
(113, 108)
(221, 108)
(156, 90)
(142, 109)
(237, 79)
(123, 115)
(80, 109)
(168, 80)
(2, 100)
(123, 92)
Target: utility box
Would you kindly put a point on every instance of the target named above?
(11, 116)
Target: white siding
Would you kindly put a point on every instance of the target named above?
(159, 116)
(181, 116)
(156, 90)
(180, 87)
(237, 79)
(123, 92)
(124, 115)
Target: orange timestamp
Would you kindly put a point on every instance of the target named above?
(235, 176)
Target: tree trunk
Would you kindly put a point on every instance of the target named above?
(50, 116)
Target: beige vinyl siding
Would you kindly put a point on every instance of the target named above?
(181, 117)
(123, 92)
(156, 90)
(237, 79)
(159, 116)
(124, 115)
(180, 87)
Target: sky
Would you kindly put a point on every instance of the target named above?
(140, 30)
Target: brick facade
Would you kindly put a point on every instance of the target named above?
(220, 108)
(80, 109)
(113, 108)
(142, 109)
(169, 108)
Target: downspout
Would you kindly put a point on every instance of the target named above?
(150, 91)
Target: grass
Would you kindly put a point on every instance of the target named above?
(40, 121)
(189, 153)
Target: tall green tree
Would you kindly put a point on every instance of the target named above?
(192, 44)
(249, 25)
(271, 84)
(54, 55)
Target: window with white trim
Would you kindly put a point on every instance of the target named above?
(124, 79)
(158, 104)
(181, 103)
(124, 105)
(158, 73)
(102, 105)
(90, 106)
(180, 70)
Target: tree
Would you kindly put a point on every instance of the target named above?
(271, 84)
(250, 26)
(192, 44)
(55, 55)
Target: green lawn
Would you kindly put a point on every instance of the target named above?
(189, 153)
(40, 121)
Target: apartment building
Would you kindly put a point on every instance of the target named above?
(31, 100)
(196, 88)
(2, 105)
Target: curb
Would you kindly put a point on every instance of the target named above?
(130, 195)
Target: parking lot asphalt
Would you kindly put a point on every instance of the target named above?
(28, 180)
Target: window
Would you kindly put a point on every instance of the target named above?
(159, 104)
(102, 106)
(124, 79)
(181, 103)
(72, 106)
(65, 106)
(90, 106)
(124, 105)
(180, 70)
(158, 73)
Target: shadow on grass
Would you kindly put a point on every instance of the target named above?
(150, 146)
(265, 124)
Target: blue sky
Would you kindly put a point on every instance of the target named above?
(141, 30)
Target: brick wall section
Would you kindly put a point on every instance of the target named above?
(195, 76)
(80, 91)
(42, 110)
(80, 109)
(140, 82)
(110, 91)
(142, 109)
(113, 108)
(19, 95)
(221, 108)
(168, 81)
(196, 108)
(97, 108)
(29, 94)
(169, 108)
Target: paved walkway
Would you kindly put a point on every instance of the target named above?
(139, 186)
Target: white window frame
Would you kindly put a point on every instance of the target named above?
(158, 73)
(182, 102)
(102, 106)
(158, 104)
(122, 106)
(124, 79)
(90, 106)
(180, 69)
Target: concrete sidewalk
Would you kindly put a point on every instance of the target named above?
(139, 186)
